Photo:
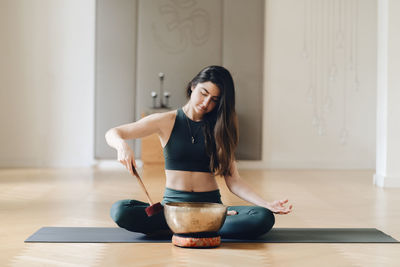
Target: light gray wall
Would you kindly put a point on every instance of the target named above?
(177, 38)
(115, 69)
(243, 46)
(46, 83)
(47, 90)
(302, 129)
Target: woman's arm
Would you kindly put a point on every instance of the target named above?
(141, 128)
(115, 137)
(238, 187)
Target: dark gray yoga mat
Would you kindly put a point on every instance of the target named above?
(276, 235)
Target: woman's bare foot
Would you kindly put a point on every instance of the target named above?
(231, 212)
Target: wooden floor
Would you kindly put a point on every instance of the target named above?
(32, 198)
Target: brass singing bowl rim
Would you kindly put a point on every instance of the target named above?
(191, 205)
(192, 217)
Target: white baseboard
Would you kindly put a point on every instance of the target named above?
(252, 164)
(299, 165)
(46, 163)
(386, 181)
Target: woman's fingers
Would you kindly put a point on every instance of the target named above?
(129, 166)
(289, 209)
(284, 201)
(283, 210)
(123, 162)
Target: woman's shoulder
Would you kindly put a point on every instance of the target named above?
(165, 120)
(164, 117)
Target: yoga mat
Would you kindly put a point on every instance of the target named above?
(276, 235)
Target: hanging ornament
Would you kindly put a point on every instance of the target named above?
(321, 128)
(305, 54)
(315, 121)
(329, 50)
(310, 97)
(356, 84)
(343, 136)
(327, 103)
(333, 72)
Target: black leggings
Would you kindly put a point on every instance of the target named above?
(250, 222)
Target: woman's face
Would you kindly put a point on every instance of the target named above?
(204, 97)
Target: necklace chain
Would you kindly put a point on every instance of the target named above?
(190, 129)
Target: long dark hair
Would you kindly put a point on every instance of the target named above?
(221, 125)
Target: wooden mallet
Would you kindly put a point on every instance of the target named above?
(153, 208)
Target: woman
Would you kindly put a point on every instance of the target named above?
(199, 141)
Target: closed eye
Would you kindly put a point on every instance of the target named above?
(204, 92)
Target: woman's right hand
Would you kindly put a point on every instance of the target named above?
(126, 157)
(280, 206)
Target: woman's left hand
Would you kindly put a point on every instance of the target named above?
(280, 206)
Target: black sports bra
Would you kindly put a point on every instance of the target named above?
(180, 152)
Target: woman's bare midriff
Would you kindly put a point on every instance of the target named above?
(190, 181)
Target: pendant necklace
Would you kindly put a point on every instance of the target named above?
(190, 129)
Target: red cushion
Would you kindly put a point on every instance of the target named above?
(196, 242)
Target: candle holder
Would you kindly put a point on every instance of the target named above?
(164, 96)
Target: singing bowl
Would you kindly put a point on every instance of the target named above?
(194, 217)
